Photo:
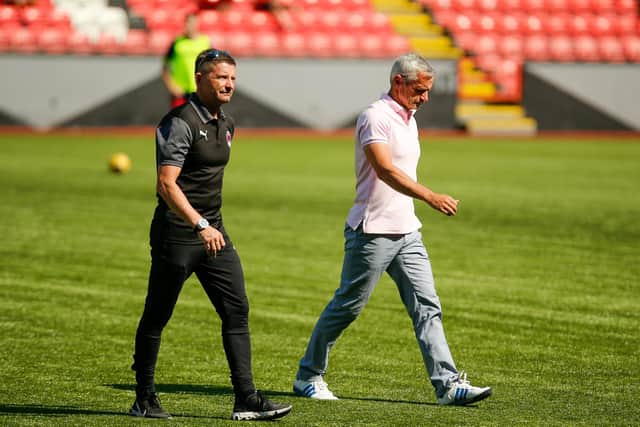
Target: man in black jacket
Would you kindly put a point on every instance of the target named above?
(193, 143)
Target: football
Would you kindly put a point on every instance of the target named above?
(119, 163)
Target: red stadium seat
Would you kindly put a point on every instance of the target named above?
(209, 20)
(135, 43)
(440, 5)
(631, 48)
(319, 45)
(52, 40)
(267, 44)
(624, 7)
(261, 21)
(624, 25)
(511, 45)
(536, 48)
(610, 49)
(346, 45)
(534, 6)
(512, 23)
(486, 23)
(293, 45)
(305, 20)
(330, 21)
(8, 14)
(60, 19)
(79, 44)
(556, 23)
(33, 16)
(489, 63)
(4, 40)
(107, 44)
(488, 5)
(485, 44)
(561, 48)
(603, 6)
(372, 46)
(239, 43)
(379, 23)
(556, 6)
(508, 77)
(533, 24)
(466, 40)
(234, 20)
(602, 25)
(464, 5)
(396, 45)
(23, 40)
(586, 49)
(464, 22)
(580, 24)
(159, 41)
(357, 22)
(510, 5)
(580, 6)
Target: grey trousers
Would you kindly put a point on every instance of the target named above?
(366, 258)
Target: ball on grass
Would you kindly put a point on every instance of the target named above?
(119, 163)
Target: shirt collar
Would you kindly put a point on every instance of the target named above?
(202, 111)
(404, 114)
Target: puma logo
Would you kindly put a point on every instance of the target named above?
(204, 133)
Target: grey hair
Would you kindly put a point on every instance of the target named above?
(409, 65)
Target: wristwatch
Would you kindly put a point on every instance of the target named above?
(201, 225)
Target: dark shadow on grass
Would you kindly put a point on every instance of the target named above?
(207, 390)
(37, 409)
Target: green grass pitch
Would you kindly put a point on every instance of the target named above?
(539, 277)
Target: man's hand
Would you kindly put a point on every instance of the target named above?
(213, 240)
(443, 203)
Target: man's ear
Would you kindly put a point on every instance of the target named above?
(198, 76)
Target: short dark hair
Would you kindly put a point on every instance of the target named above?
(213, 56)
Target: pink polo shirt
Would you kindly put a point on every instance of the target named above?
(380, 208)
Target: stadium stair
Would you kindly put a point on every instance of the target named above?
(485, 107)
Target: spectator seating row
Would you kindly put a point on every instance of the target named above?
(557, 48)
(571, 6)
(243, 44)
(538, 23)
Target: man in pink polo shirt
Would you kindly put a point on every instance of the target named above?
(382, 234)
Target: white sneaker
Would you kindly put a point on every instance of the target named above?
(317, 389)
(461, 392)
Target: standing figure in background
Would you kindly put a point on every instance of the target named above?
(178, 63)
(382, 234)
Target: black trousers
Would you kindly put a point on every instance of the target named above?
(223, 281)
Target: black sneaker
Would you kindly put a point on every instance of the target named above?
(258, 407)
(148, 406)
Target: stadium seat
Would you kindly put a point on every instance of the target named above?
(510, 5)
(603, 6)
(631, 47)
(511, 46)
(586, 49)
(58, 18)
(556, 6)
(580, 24)
(440, 5)
(533, 6)
(512, 23)
(23, 40)
(466, 40)
(580, 6)
(396, 45)
(535, 48)
(267, 44)
(556, 23)
(239, 43)
(8, 15)
(486, 23)
(293, 45)
(4, 40)
(464, 5)
(159, 41)
(346, 45)
(209, 20)
(610, 49)
(79, 44)
(625, 24)
(262, 22)
(561, 48)
(485, 44)
(108, 44)
(624, 7)
(319, 45)
(488, 5)
(533, 24)
(52, 40)
(372, 46)
(135, 43)
(602, 25)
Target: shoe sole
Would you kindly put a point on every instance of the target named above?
(135, 413)
(301, 393)
(478, 398)
(264, 415)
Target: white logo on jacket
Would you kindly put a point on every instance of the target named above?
(204, 133)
